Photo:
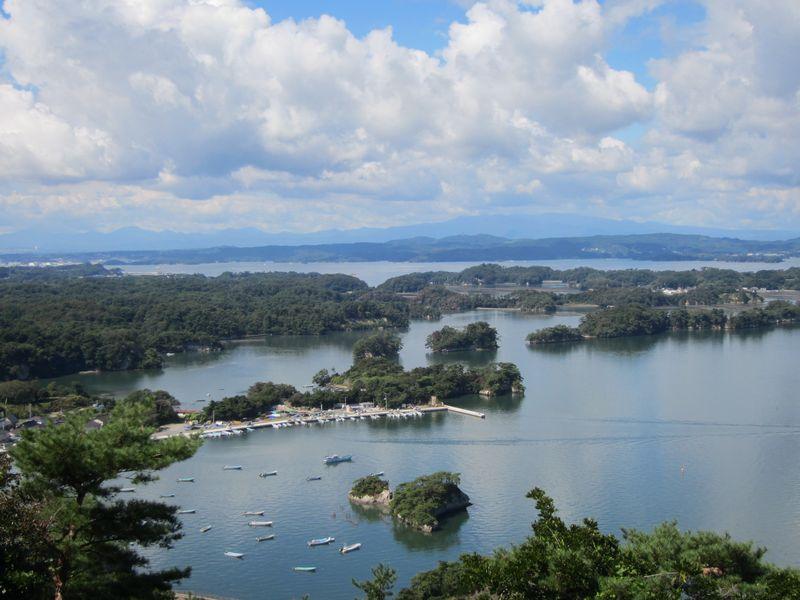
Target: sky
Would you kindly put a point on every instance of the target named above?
(305, 115)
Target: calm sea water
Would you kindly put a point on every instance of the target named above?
(604, 427)
(375, 273)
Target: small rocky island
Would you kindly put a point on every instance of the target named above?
(475, 336)
(370, 491)
(423, 502)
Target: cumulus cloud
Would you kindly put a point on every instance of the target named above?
(126, 111)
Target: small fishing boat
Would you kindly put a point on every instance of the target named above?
(234, 554)
(304, 569)
(314, 478)
(167, 496)
(260, 523)
(185, 479)
(188, 511)
(321, 541)
(253, 513)
(127, 490)
(378, 474)
(265, 538)
(349, 548)
(267, 473)
(335, 458)
(232, 468)
(204, 529)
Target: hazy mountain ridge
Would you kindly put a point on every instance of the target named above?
(660, 246)
(34, 241)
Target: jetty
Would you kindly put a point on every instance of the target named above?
(317, 418)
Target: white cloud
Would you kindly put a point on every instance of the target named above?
(147, 105)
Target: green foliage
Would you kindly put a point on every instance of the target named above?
(566, 562)
(91, 535)
(59, 325)
(421, 502)
(623, 321)
(162, 405)
(261, 398)
(381, 584)
(553, 335)
(321, 378)
(772, 314)
(475, 336)
(378, 345)
(371, 485)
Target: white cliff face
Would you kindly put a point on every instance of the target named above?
(382, 499)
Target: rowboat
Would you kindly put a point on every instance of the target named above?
(305, 569)
(186, 480)
(254, 513)
(315, 478)
(349, 548)
(127, 490)
(232, 468)
(268, 474)
(188, 511)
(234, 554)
(167, 496)
(260, 523)
(265, 538)
(204, 529)
(335, 458)
(321, 541)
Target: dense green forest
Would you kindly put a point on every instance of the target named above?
(55, 326)
(475, 336)
(370, 485)
(422, 502)
(636, 319)
(376, 379)
(586, 278)
(560, 561)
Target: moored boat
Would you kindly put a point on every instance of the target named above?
(206, 528)
(167, 496)
(378, 474)
(267, 473)
(234, 554)
(313, 478)
(188, 511)
(349, 548)
(253, 513)
(321, 541)
(304, 569)
(260, 524)
(265, 538)
(232, 468)
(127, 490)
(185, 479)
(335, 458)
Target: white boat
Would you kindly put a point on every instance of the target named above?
(260, 523)
(268, 474)
(321, 541)
(378, 474)
(232, 468)
(206, 528)
(335, 458)
(188, 511)
(349, 548)
(254, 513)
(186, 480)
(265, 538)
(127, 490)
(234, 554)
(304, 569)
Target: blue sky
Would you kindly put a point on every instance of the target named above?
(199, 115)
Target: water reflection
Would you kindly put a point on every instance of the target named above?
(444, 538)
(465, 357)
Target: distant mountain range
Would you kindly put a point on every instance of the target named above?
(657, 246)
(513, 227)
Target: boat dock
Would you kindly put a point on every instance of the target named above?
(329, 416)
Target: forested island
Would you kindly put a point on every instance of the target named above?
(635, 319)
(375, 378)
(475, 336)
(422, 503)
(370, 490)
